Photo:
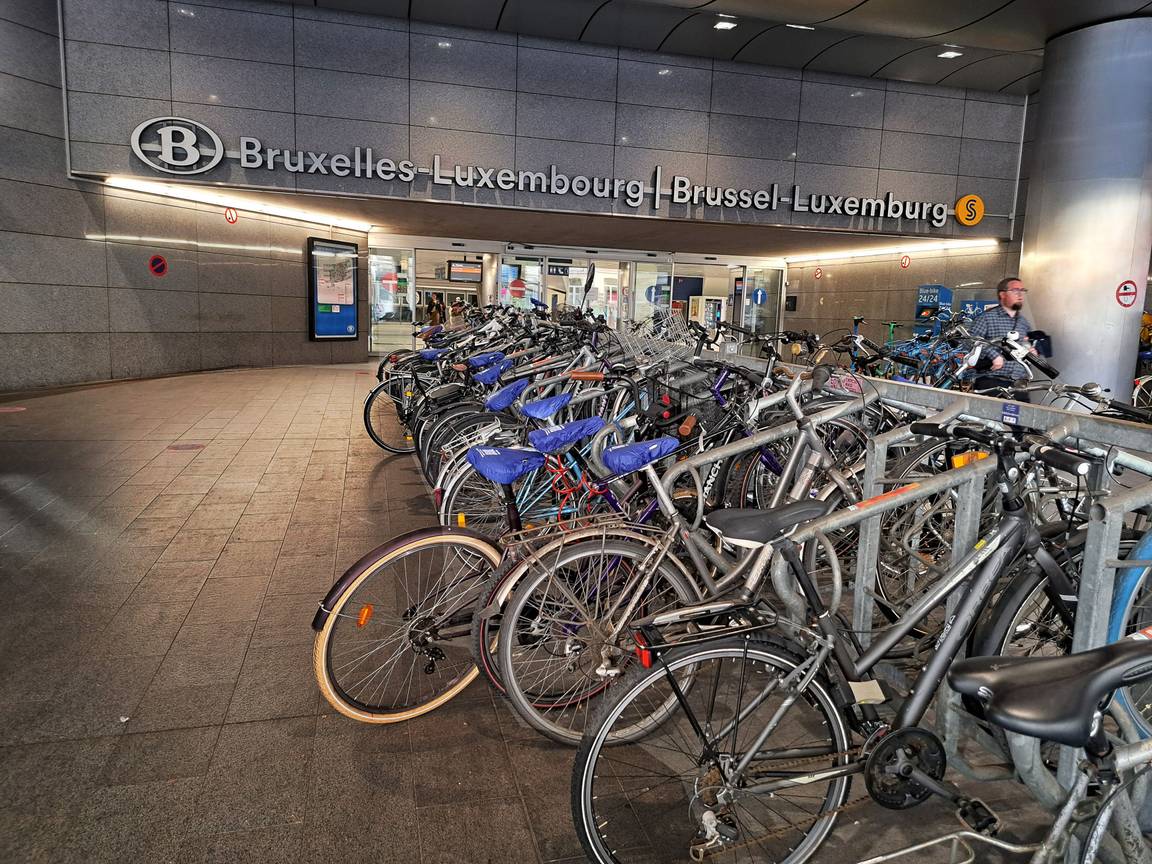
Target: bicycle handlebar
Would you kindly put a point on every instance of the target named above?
(1061, 460)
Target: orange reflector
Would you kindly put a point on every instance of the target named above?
(365, 615)
(461, 520)
(408, 394)
(962, 459)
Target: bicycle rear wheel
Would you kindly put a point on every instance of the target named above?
(653, 798)
(383, 422)
(394, 644)
(555, 643)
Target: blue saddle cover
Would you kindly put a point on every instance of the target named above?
(433, 353)
(538, 304)
(429, 332)
(505, 396)
(629, 457)
(542, 409)
(479, 361)
(557, 438)
(1145, 355)
(503, 465)
(492, 374)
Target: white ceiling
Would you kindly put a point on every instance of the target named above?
(1001, 41)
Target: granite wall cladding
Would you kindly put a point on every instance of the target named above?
(880, 290)
(77, 298)
(322, 80)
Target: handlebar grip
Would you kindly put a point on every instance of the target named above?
(737, 329)
(586, 375)
(1044, 366)
(931, 430)
(1062, 460)
(687, 426)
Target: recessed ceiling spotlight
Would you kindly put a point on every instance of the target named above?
(443, 44)
(664, 72)
(799, 26)
(724, 25)
(948, 55)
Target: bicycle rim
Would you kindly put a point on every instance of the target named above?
(395, 644)
(645, 800)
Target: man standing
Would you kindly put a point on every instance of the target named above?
(994, 325)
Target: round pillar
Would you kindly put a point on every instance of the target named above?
(1088, 223)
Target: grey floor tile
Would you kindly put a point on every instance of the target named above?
(280, 844)
(172, 583)
(148, 756)
(286, 619)
(274, 682)
(241, 559)
(494, 830)
(232, 599)
(258, 777)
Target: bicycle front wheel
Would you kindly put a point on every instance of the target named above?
(673, 794)
(394, 644)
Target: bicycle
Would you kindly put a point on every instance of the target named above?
(755, 738)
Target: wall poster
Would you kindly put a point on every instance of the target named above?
(333, 289)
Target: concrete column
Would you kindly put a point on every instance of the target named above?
(1088, 224)
(489, 288)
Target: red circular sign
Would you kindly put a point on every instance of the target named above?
(158, 265)
(817, 273)
(231, 215)
(904, 262)
(1126, 294)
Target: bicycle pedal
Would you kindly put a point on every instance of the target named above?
(978, 816)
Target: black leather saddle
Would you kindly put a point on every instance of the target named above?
(750, 527)
(1052, 698)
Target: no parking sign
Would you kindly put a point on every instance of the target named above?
(1126, 294)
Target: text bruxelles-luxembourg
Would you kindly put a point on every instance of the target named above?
(680, 189)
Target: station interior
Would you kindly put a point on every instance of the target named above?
(190, 474)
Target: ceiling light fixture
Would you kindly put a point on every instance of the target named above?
(948, 55)
(942, 246)
(223, 199)
(724, 25)
(799, 26)
(664, 72)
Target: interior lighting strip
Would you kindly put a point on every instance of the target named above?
(905, 248)
(208, 196)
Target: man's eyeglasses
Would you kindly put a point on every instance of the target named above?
(1015, 290)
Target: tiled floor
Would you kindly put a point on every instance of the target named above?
(163, 545)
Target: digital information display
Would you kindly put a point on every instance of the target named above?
(332, 289)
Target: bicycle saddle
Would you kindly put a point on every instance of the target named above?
(492, 374)
(751, 527)
(433, 353)
(479, 361)
(505, 396)
(503, 465)
(555, 439)
(542, 409)
(1053, 698)
(630, 457)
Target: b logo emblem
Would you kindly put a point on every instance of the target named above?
(970, 210)
(175, 145)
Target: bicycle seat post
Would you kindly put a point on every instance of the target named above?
(514, 523)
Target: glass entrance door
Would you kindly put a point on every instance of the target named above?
(392, 299)
(761, 307)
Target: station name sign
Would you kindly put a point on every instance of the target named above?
(175, 145)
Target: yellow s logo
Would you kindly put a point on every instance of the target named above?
(970, 210)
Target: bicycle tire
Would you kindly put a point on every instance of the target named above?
(377, 578)
(542, 664)
(1132, 611)
(597, 784)
(384, 425)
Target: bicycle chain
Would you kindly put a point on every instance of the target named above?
(725, 848)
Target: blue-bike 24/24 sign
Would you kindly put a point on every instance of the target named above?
(332, 289)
